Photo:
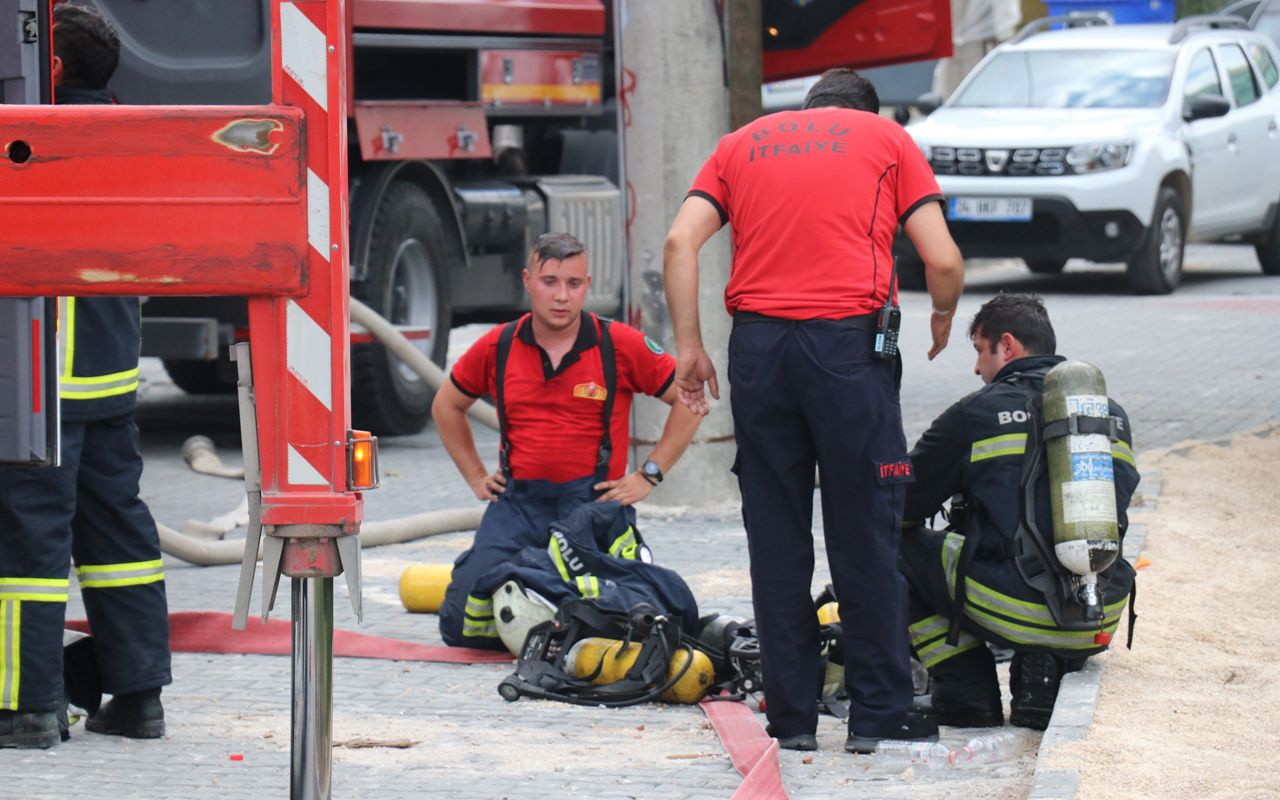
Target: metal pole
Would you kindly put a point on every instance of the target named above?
(312, 746)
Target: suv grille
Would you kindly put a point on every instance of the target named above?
(1023, 161)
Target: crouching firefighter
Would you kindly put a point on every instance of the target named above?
(563, 381)
(1030, 560)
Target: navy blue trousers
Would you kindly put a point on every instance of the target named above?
(87, 509)
(516, 520)
(806, 393)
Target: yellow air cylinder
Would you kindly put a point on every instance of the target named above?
(422, 587)
(829, 613)
(614, 661)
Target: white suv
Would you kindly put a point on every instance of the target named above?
(1111, 143)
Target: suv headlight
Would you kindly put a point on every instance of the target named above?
(1097, 157)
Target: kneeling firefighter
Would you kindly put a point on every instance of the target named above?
(1040, 467)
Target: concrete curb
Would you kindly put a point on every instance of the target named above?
(1078, 697)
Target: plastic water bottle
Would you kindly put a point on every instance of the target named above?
(897, 755)
(986, 748)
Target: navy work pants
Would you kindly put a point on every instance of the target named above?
(87, 509)
(805, 393)
(516, 520)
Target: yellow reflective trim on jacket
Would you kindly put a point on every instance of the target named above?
(1123, 452)
(479, 630)
(553, 550)
(479, 608)
(108, 576)
(1021, 634)
(624, 545)
(86, 387)
(67, 326)
(588, 586)
(10, 652)
(927, 628)
(40, 590)
(933, 654)
(1010, 444)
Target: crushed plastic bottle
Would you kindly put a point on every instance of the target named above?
(987, 748)
(895, 754)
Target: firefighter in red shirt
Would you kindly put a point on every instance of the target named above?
(550, 377)
(814, 199)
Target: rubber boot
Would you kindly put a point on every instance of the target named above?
(136, 715)
(1034, 679)
(966, 692)
(29, 730)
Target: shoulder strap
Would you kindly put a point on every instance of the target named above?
(504, 350)
(609, 364)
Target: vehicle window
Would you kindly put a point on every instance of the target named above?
(1243, 85)
(1202, 77)
(1071, 79)
(1269, 25)
(1266, 65)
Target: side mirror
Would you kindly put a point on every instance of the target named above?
(1205, 106)
(928, 102)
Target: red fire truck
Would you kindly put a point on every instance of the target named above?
(475, 126)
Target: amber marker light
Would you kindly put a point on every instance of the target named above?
(362, 461)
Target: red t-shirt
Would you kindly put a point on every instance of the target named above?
(814, 199)
(555, 418)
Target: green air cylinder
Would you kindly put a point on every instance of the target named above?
(1086, 538)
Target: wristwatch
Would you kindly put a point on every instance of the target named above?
(652, 472)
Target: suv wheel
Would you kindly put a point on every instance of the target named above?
(1269, 251)
(1157, 267)
(1046, 266)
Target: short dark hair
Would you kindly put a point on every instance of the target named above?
(87, 44)
(1023, 316)
(844, 88)
(554, 247)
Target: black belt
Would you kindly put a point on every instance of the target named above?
(862, 322)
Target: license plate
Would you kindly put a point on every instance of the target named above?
(990, 209)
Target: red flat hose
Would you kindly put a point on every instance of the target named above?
(753, 752)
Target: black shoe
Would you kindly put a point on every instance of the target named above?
(137, 715)
(959, 715)
(916, 728)
(29, 730)
(799, 741)
(1034, 679)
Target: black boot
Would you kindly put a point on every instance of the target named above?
(137, 715)
(28, 729)
(966, 692)
(1034, 679)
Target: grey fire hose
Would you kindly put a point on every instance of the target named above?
(207, 548)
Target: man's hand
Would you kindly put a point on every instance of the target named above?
(488, 487)
(628, 490)
(693, 370)
(940, 327)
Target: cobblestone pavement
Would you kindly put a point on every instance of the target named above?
(1199, 364)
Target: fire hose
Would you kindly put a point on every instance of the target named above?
(207, 548)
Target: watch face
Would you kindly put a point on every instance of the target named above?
(651, 468)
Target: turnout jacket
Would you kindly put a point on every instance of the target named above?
(975, 449)
(101, 336)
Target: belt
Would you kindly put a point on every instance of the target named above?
(862, 322)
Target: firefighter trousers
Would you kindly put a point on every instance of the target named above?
(87, 510)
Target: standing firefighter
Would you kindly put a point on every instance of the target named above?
(814, 199)
(88, 508)
(985, 579)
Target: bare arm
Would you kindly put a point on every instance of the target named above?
(449, 410)
(943, 269)
(676, 434)
(696, 222)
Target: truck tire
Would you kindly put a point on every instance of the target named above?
(1046, 266)
(1157, 266)
(197, 377)
(407, 282)
(1269, 251)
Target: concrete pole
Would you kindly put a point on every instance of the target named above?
(745, 20)
(675, 109)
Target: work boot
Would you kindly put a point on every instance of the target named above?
(799, 741)
(137, 715)
(966, 692)
(1034, 679)
(916, 728)
(29, 730)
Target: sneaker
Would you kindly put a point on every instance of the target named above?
(1034, 679)
(29, 730)
(136, 715)
(959, 715)
(799, 741)
(916, 728)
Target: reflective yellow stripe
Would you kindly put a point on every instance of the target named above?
(927, 628)
(1010, 444)
(67, 325)
(98, 380)
(588, 586)
(92, 387)
(107, 576)
(479, 608)
(553, 550)
(10, 652)
(1020, 634)
(624, 545)
(951, 545)
(474, 629)
(933, 654)
(1122, 451)
(46, 590)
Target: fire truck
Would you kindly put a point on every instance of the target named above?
(474, 126)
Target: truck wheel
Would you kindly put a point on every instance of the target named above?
(408, 284)
(197, 377)
(1269, 250)
(1046, 266)
(1157, 266)
(911, 274)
